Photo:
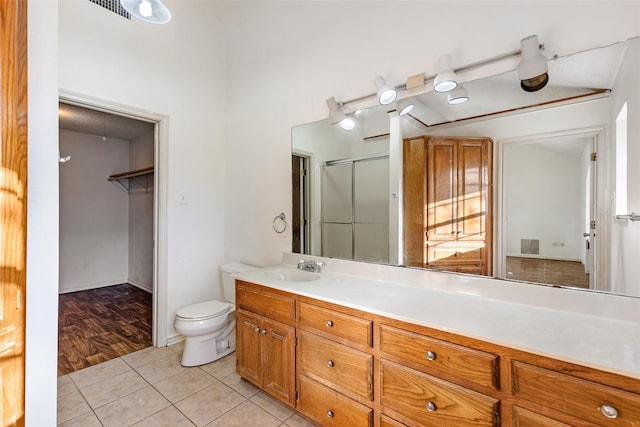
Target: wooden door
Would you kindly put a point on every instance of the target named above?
(279, 360)
(13, 207)
(248, 347)
(473, 183)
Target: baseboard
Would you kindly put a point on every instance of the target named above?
(91, 286)
(543, 257)
(141, 286)
(174, 340)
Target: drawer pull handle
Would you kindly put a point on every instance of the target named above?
(431, 407)
(609, 411)
(330, 363)
(330, 413)
(430, 355)
(329, 323)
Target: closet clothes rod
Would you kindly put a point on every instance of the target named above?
(120, 177)
(131, 174)
(633, 216)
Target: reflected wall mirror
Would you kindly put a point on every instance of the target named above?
(557, 154)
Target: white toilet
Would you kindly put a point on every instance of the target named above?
(209, 326)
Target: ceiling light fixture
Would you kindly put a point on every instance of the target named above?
(386, 93)
(445, 81)
(405, 106)
(459, 95)
(336, 115)
(152, 11)
(532, 70)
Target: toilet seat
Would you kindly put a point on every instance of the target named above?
(203, 310)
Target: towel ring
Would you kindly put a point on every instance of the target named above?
(280, 227)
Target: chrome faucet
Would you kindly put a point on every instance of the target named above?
(310, 265)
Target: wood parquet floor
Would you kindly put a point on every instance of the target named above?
(102, 324)
(549, 271)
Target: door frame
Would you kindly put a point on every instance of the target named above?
(598, 135)
(160, 204)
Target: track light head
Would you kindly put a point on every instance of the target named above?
(532, 70)
(458, 96)
(386, 93)
(445, 81)
(405, 106)
(152, 11)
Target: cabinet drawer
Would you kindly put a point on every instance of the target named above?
(389, 422)
(472, 365)
(525, 418)
(580, 398)
(269, 304)
(430, 401)
(338, 324)
(440, 253)
(329, 408)
(335, 364)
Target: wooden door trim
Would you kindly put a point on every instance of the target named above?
(13, 207)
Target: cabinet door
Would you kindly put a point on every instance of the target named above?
(248, 348)
(473, 184)
(278, 360)
(441, 189)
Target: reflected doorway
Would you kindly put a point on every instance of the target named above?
(548, 210)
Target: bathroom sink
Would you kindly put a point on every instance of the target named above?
(293, 275)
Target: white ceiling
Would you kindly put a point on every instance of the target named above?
(84, 120)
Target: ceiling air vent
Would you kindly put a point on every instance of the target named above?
(114, 6)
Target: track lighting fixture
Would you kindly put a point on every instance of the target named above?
(386, 93)
(445, 81)
(532, 70)
(152, 11)
(336, 115)
(459, 95)
(347, 123)
(405, 106)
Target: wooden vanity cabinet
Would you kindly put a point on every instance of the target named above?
(342, 367)
(335, 366)
(265, 346)
(579, 398)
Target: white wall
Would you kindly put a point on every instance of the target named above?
(543, 201)
(141, 194)
(286, 58)
(42, 216)
(625, 251)
(178, 70)
(94, 212)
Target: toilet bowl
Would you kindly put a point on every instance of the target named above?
(209, 326)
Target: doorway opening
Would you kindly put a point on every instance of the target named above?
(548, 209)
(300, 205)
(110, 240)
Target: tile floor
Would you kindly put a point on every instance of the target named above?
(151, 388)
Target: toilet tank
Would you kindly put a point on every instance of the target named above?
(228, 281)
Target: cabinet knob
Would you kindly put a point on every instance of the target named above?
(431, 406)
(430, 355)
(257, 329)
(330, 363)
(329, 323)
(330, 413)
(264, 332)
(609, 411)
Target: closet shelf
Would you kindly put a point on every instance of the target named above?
(120, 177)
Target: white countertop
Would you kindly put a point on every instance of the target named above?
(597, 330)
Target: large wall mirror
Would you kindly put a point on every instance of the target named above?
(563, 181)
